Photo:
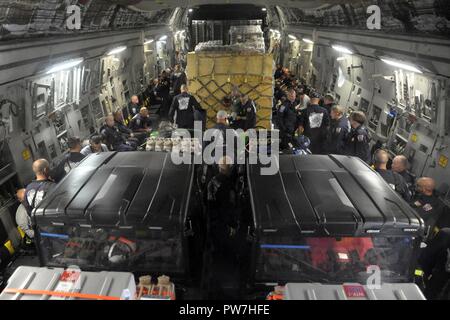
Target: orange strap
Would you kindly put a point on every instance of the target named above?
(60, 294)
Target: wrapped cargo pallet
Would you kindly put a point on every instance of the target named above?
(212, 75)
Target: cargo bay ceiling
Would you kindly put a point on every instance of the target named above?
(32, 18)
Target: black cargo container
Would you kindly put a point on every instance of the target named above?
(118, 211)
(326, 219)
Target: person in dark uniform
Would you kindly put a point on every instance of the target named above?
(182, 109)
(338, 131)
(222, 216)
(70, 160)
(134, 139)
(396, 181)
(152, 93)
(119, 123)
(328, 102)
(357, 142)
(278, 72)
(113, 137)
(140, 125)
(141, 122)
(427, 204)
(434, 261)
(400, 165)
(178, 78)
(164, 93)
(314, 123)
(40, 187)
(286, 119)
(245, 114)
(133, 107)
(222, 241)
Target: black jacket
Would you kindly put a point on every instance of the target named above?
(133, 109)
(410, 180)
(152, 93)
(164, 88)
(123, 129)
(286, 119)
(112, 136)
(69, 161)
(337, 133)
(182, 110)
(247, 111)
(357, 143)
(396, 182)
(315, 120)
(222, 202)
(278, 74)
(139, 122)
(177, 80)
(430, 209)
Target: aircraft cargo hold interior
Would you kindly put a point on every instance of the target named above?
(224, 150)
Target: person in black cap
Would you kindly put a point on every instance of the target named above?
(69, 161)
(314, 123)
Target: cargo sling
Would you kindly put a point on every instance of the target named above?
(210, 90)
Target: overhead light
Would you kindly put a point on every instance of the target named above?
(341, 78)
(308, 41)
(117, 50)
(65, 65)
(291, 41)
(163, 38)
(340, 59)
(401, 65)
(264, 9)
(148, 41)
(342, 49)
(190, 10)
(292, 37)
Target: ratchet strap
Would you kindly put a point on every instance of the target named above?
(60, 294)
